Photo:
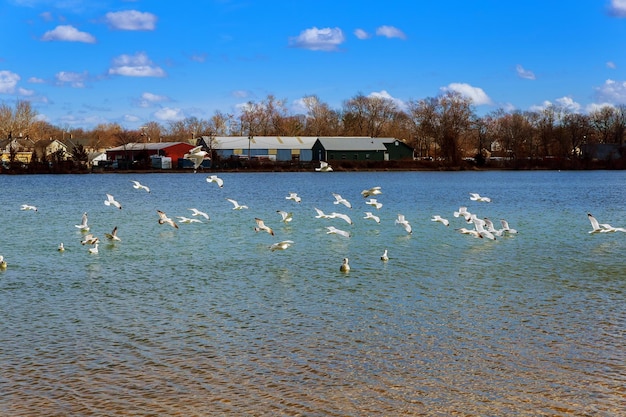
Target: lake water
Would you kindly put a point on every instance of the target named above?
(206, 320)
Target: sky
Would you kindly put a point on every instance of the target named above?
(84, 63)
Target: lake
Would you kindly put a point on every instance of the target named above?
(207, 320)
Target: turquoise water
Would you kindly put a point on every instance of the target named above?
(206, 320)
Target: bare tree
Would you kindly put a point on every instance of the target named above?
(320, 119)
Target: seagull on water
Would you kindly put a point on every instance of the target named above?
(438, 218)
(478, 197)
(261, 227)
(28, 207)
(384, 257)
(215, 179)
(110, 201)
(374, 203)
(281, 245)
(196, 155)
(83, 225)
(196, 212)
(61, 248)
(371, 191)
(236, 205)
(113, 235)
(286, 216)
(402, 221)
(164, 219)
(340, 200)
(3, 263)
(369, 215)
(94, 250)
(138, 186)
(294, 196)
(334, 231)
(345, 267)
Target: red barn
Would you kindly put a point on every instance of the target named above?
(142, 151)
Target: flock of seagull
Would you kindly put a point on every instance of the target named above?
(477, 227)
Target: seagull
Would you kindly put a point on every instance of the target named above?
(438, 218)
(471, 232)
(94, 250)
(370, 192)
(506, 228)
(184, 219)
(340, 200)
(294, 196)
(110, 201)
(164, 219)
(602, 227)
(462, 212)
(489, 226)
(324, 167)
(61, 248)
(345, 267)
(137, 185)
(404, 223)
(478, 197)
(196, 212)
(28, 207)
(369, 215)
(341, 216)
(479, 226)
(384, 257)
(83, 226)
(236, 205)
(287, 216)
(374, 203)
(260, 226)
(3, 263)
(113, 235)
(281, 245)
(334, 231)
(321, 215)
(196, 155)
(215, 179)
(89, 240)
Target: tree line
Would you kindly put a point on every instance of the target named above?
(446, 127)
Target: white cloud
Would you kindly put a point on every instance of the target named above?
(612, 92)
(240, 94)
(390, 32)
(524, 73)
(325, 39)
(131, 20)
(138, 65)
(169, 114)
(361, 34)
(611, 65)
(384, 94)
(590, 108)
(569, 104)
(476, 94)
(74, 79)
(24, 92)
(617, 8)
(131, 118)
(149, 99)
(36, 80)
(8, 82)
(68, 33)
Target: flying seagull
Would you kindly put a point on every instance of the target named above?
(215, 179)
(137, 185)
(164, 219)
(261, 227)
(110, 201)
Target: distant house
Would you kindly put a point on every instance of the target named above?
(20, 149)
(44, 148)
(275, 148)
(132, 152)
(361, 149)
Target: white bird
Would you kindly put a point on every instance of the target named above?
(286, 216)
(281, 245)
(110, 201)
(479, 226)
(196, 212)
(340, 200)
(341, 216)
(371, 191)
(196, 155)
(478, 197)
(602, 227)
(94, 250)
(462, 212)
(490, 227)
(89, 240)
(321, 214)
(83, 226)
(3, 263)
(324, 167)
(345, 267)
(184, 219)
(138, 186)
(294, 196)
(261, 227)
(215, 179)
(374, 203)
(506, 228)
(113, 235)
(384, 257)
(471, 232)
(61, 248)
(164, 219)
(331, 230)
(28, 207)
(402, 221)
(236, 205)
(438, 218)
(369, 215)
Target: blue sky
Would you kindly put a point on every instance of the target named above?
(81, 63)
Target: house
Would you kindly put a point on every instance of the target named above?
(45, 148)
(136, 151)
(275, 148)
(16, 149)
(360, 149)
